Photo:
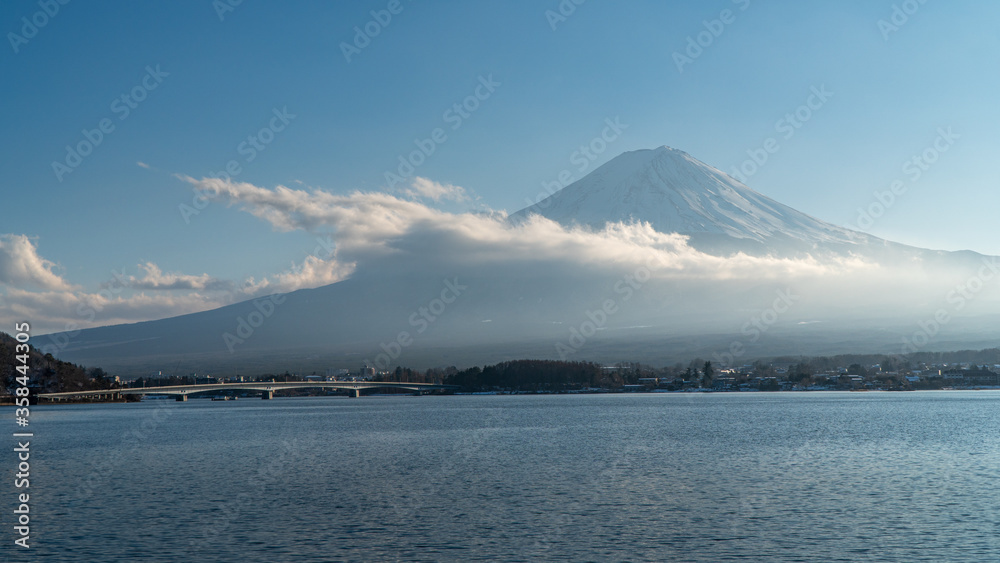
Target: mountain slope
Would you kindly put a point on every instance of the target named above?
(677, 193)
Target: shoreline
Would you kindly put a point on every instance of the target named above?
(8, 401)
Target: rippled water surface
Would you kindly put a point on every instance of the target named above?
(652, 477)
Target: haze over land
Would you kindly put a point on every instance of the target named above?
(652, 257)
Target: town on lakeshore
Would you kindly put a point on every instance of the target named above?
(53, 379)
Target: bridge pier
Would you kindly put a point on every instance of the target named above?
(267, 395)
(182, 397)
(356, 393)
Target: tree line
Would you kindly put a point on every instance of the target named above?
(47, 374)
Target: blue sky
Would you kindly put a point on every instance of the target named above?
(220, 78)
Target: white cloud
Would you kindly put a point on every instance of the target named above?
(50, 311)
(382, 236)
(313, 272)
(370, 226)
(142, 164)
(286, 209)
(155, 279)
(22, 267)
(429, 189)
(154, 295)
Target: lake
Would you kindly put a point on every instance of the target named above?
(819, 477)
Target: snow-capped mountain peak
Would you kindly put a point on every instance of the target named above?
(676, 193)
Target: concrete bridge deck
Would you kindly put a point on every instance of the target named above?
(266, 388)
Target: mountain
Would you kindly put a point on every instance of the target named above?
(794, 300)
(676, 193)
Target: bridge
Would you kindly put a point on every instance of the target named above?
(266, 388)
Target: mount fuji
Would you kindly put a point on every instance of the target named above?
(730, 255)
(676, 193)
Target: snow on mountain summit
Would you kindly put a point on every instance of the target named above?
(676, 193)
